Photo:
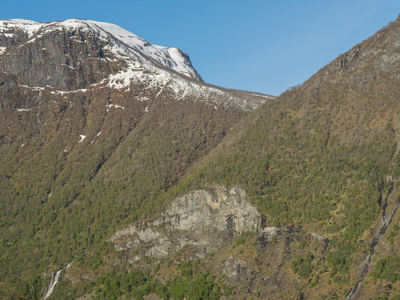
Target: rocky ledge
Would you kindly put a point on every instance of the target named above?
(201, 222)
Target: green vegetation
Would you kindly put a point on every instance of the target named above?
(134, 284)
(242, 238)
(299, 172)
(63, 199)
(387, 268)
(339, 262)
(393, 233)
(303, 265)
(199, 287)
(301, 161)
(319, 157)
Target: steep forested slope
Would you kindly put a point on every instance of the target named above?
(110, 185)
(324, 156)
(95, 126)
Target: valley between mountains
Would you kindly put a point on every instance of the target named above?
(123, 175)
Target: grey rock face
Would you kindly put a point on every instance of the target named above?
(235, 269)
(73, 54)
(50, 62)
(65, 60)
(203, 221)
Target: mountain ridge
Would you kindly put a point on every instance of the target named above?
(319, 158)
(89, 122)
(107, 62)
(319, 164)
(167, 56)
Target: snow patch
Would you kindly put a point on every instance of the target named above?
(2, 50)
(30, 27)
(33, 88)
(82, 138)
(24, 109)
(141, 99)
(159, 80)
(125, 77)
(62, 93)
(181, 61)
(263, 96)
(115, 105)
(169, 57)
(55, 92)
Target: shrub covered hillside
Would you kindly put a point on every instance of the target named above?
(91, 147)
(320, 163)
(324, 156)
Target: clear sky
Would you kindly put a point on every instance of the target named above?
(258, 45)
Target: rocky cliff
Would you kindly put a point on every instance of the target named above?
(201, 222)
(220, 228)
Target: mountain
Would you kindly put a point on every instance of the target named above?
(321, 164)
(128, 178)
(114, 42)
(96, 125)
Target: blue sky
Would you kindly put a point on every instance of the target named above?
(257, 45)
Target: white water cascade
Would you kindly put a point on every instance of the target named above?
(54, 280)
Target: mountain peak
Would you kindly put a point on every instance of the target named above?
(81, 56)
(169, 57)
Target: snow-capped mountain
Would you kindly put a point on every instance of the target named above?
(79, 55)
(124, 42)
(85, 102)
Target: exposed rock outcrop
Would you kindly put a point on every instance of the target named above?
(200, 222)
(203, 221)
(235, 269)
